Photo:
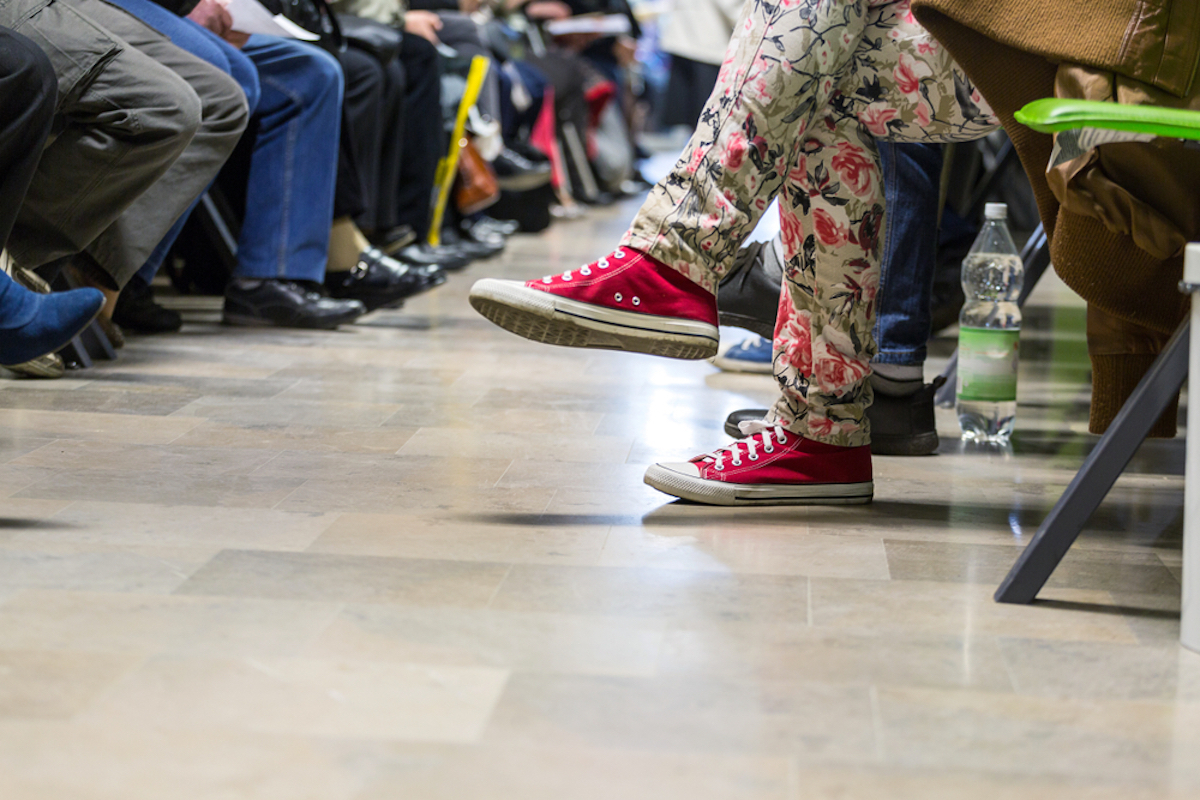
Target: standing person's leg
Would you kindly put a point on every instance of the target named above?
(31, 325)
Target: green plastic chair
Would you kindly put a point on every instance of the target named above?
(1152, 396)
(1053, 115)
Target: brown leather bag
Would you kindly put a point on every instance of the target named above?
(477, 186)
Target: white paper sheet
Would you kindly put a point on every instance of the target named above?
(606, 25)
(250, 16)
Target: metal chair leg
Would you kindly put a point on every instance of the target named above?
(1098, 473)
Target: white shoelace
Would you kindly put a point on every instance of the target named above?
(757, 432)
(586, 269)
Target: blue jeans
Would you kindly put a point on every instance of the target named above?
(912, 181)
(289, 196)
(295, 93)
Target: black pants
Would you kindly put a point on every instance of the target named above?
(28, 91)
(373, 107)
(421, 136)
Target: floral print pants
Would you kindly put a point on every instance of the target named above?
(807, 88)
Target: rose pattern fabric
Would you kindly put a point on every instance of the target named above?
(806, 89)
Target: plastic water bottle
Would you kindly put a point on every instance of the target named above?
(990, 331)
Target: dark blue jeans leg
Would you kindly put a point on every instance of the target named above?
(289, 195)
(912, 180)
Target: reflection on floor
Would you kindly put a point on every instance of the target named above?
(415, 559)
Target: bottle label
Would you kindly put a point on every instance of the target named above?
(987, 364)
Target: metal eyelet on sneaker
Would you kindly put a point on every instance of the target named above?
(566, 276)
(619, 298)
(720, 467)
(586, 271)
(737, 463)
(603, 263)
(782, 439)
(770, 449)
(547, 280)
(619, 254)
(637, 301)
(754, 457)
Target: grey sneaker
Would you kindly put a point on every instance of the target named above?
(748, 296)
(900, 426)
(46, 367)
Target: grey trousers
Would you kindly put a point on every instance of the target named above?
(141, 128)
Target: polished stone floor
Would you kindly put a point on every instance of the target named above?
(415, 559)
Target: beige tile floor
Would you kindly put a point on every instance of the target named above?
(415, 559)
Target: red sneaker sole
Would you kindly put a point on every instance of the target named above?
(719, 493)
(543, 317)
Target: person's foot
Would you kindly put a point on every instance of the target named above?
(394, 239)
(748, 296)
(288, 304)
(33, 325)
(137, 311)
(489, 225)
(770, 467)
(473, 248)
(423, 254)
(378, 281)
(516, 173)
(625, 301)
(47, 367)
(900, 425)
(754, 354)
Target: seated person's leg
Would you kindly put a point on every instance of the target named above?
(31, 325)
(761, 137)
(135, 308)
(290, 191)
(109, 160)
(902, 414)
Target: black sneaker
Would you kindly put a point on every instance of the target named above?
(748, 296)
(382, 282)
(137, 311)
(288, 304)
(900, 426)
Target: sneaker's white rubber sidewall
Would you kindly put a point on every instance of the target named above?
(719, 493)
(585, 315)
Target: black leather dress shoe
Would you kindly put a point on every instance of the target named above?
(504, 227)
(900, 426)
(516, 173)
(288, 304)
(448, 258)
(476, 249)
(382, 282)
(748, 296)
(137, 311)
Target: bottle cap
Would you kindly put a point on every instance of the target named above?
(995, 211)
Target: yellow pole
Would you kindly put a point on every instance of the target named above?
(448, 166)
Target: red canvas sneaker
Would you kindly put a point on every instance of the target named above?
(771, 467)
(625, 301)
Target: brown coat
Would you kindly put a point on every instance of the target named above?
(1012, 50)
(1153, 41)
